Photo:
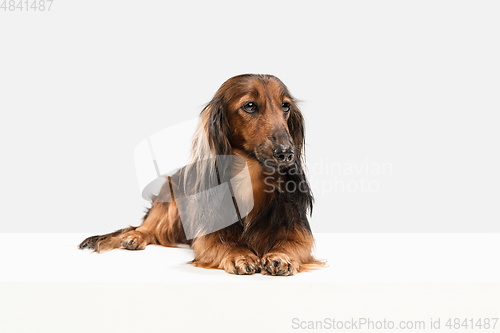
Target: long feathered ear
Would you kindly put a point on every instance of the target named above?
(296, 129)
(304, 198)
(217, 127)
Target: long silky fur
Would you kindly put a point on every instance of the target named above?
(288, 210)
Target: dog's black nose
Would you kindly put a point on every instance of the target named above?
(283, 154)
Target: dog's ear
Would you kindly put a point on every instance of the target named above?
(296, 129)
(217, 127)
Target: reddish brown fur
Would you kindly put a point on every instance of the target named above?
(239, 249)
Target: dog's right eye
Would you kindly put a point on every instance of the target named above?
(250, 107)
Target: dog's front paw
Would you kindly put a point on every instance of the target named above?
(279, 264)
(134, 240)
(241, 264)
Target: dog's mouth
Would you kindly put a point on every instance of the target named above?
(269, 162)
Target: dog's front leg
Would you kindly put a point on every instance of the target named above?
(291, 255)
(214, 251)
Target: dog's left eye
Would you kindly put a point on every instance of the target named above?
(250, 107)
(286, 107)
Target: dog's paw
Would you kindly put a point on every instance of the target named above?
(89, 243)
(134, 240)
(240, 264)
(279, 264)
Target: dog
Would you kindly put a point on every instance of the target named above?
(252, 117)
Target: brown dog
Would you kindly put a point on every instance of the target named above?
(253, 117)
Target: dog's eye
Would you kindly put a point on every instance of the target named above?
(286, 107)
(250, 107)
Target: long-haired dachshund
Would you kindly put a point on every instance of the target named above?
(255, 118)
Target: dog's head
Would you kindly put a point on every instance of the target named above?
(255, 114)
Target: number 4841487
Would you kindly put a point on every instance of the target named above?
(469, 323)
(26, 5)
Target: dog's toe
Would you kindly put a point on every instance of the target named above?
(241, 264)
(134, 240)
(278, 264)
(88, 243)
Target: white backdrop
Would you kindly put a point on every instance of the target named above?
(400, 100)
